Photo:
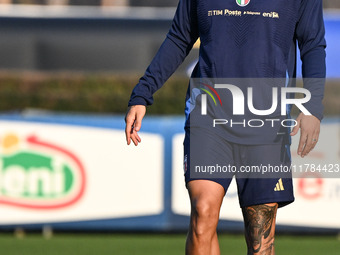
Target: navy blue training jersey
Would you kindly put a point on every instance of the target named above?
(243, 39)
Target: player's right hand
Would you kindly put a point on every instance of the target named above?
(310, 130)
(133, 120)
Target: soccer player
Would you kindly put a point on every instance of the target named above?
(242, 39)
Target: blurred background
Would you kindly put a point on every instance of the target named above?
(68, 182)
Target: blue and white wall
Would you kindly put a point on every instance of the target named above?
(112, 186)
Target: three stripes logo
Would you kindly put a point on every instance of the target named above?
(242, 3)
(279, 186)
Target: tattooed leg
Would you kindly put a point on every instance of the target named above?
(259, 221)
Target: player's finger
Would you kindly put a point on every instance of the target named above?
(128, 135)
(315, 139)
(135, 138)
(312, 138)
(128, 128)
(308, 146)
(295, 130)
(302, 142)
(138, 122)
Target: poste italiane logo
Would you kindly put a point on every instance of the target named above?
(37, 174)
(242, 3)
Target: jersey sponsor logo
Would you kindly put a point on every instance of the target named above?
(279, 186)
(242, 3)
(238, 13)
(36, 174)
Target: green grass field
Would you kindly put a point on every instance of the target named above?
(153, 244)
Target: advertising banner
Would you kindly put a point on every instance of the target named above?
(62, 173)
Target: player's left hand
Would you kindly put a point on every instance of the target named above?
(310, 130)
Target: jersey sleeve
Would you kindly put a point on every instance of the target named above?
(177, 45)
(310, 33)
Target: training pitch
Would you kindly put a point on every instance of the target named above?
(152, 244)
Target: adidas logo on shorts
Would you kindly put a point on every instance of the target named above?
(279, 186)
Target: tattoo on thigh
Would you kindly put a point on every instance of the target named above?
(259, 220)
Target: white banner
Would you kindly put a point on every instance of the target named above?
(58, 173)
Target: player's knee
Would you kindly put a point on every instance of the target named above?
(205, 217)
(205, 210)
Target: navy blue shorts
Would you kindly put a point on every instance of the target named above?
(262, 172)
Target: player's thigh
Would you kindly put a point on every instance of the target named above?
(207, 157)
(206, 197)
